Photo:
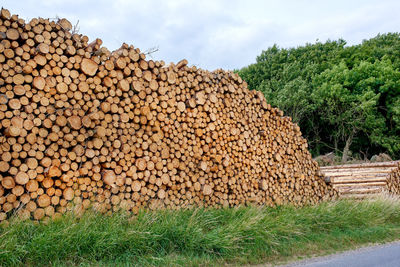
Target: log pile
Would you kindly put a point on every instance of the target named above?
(82, 126)
(364, 180)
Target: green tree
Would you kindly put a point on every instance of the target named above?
(285, 77)
(346, 106)
(293, 79)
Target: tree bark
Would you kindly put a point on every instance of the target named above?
(347, 147)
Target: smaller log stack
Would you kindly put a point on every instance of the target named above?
(393, 181)
(81, 126)
(364, 180)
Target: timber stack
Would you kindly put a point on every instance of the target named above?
(82, 126)
(393, 180)
(364, 180)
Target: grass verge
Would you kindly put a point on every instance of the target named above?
(244, 235)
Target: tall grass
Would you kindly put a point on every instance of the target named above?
(199, 236)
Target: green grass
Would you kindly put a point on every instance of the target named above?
(244, 235)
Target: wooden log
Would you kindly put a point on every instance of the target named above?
(22, 178)
(207, 190)
(363, 165)
(12, 34)
(109, 177)
(65, 24)
(8, 182)
(44, 201)
(89, 67)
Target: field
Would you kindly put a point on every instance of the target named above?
(243, 235)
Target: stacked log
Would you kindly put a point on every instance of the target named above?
(364, 180)
(393, 181)
(82, 126)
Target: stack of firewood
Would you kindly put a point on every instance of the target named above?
(393, 180)
(81, 126)
(364, 180)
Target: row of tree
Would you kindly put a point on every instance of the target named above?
(345, 98)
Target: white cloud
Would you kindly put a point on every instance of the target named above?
(217, 34)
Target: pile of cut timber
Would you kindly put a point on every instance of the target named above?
(362, 180)
(82, 126)
(393, 181)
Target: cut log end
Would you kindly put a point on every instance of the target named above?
(89, 67)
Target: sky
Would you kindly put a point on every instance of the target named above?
(214, 34)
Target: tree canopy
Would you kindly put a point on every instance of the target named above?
(345, 98)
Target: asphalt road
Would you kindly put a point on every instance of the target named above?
(387, 255)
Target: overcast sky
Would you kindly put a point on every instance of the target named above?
(215, 34)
